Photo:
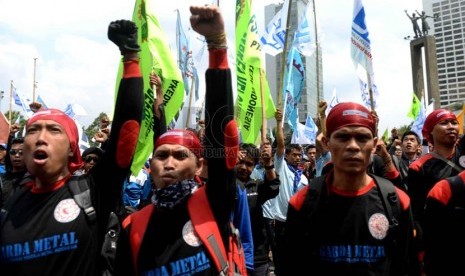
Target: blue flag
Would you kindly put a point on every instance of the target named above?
(294, 77)
(41, 101)
(17, 98)
(419, 122)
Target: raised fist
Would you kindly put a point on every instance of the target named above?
(124, 34)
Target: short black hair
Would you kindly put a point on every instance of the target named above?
(251, 150)
(311, 146)
(92, 150)
(293, 146)
(411, 132)
(14, 141)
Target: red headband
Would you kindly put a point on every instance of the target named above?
(181, 137)
(71, 130)
(433, 119)
(349, 114)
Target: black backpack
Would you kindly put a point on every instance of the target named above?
(81, 195)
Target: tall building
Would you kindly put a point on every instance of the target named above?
(448, 28)
(309, 101)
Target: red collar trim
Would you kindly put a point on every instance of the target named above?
(49, 188)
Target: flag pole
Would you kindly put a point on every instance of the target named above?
(317, 57)
(34, 84)
(263, 108)
(190, 102)
(11, 100)
(372, 105)
(283, 61)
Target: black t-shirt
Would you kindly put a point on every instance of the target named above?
(67, 236)
(174, 249)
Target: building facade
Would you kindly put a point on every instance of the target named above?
(313, 85)
(448, 27)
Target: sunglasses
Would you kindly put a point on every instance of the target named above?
(16, 151)
(91, 158)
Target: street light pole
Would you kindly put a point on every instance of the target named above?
(34, 84)
(2, 95)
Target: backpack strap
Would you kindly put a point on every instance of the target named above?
(11, 201)
(390, 200)
(312, 203)
(313, 197)
(81, 194)
(450, 163)
(138, 222)
(458, 192)
(205, 226)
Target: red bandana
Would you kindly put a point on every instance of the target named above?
(349, 114)
(433, 119)
(69, 125)
(181, 137)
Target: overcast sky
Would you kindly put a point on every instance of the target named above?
(76, 63)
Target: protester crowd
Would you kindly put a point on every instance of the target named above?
(205, 204)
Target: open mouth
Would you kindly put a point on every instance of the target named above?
(40, 155)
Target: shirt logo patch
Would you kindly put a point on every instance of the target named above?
(66, 211)
(378, 225)
(189, 235)
(462, 161)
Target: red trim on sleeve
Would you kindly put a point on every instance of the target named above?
(392, 174)
(403, 198)
(297, 200)
(131, 69)
(218, 59)
(441, 192)
(416, 165)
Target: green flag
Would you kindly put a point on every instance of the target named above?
(415, 109)
(251, 79)
(385, 136)
(155, 56)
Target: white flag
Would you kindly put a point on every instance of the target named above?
(360, 43)
(311, 129)
(366, 93)
(275, 32)
(304, 42)
(334, 101)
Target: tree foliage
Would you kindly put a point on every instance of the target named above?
(14, 117)
(94, 128)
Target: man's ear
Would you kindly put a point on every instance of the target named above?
(198, 171)
(325, 142)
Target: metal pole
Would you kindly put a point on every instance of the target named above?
(317, 56)
(34, 84)
(2, 93)
(11, 100)
(283, 60)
